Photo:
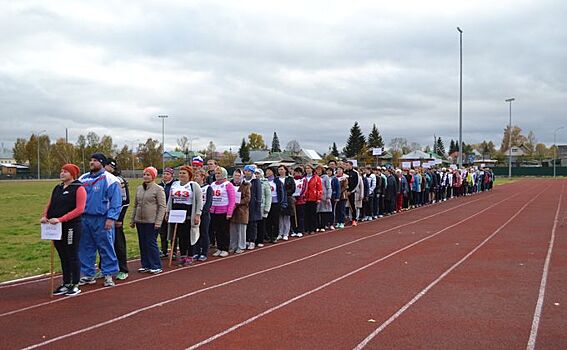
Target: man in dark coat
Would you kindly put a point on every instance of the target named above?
(254, 207)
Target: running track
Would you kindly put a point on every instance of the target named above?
(482, 272)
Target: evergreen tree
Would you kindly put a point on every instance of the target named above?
(275, 144)
(355, 142)
(375, 139)
(334, 150)
(244, 152)
(440, 147)
(452, 146)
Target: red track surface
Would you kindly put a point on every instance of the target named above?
(465, 274)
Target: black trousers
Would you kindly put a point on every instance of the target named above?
(184, 234)
(273, 222)
(68, 250)
(352, 206)
(202, 246)
(163, 236)
(261, 231)
(252, 231)
(298, 223)
(310, 216)
(120, 248)
(221, 231)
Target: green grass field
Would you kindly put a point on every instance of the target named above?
(22, 252)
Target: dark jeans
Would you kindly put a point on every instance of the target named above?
(340, 211)
(163, 236)
(310, 216)
(149, 251)
(351, 202)
(298, 223)
(324, 220)
(202, 246)
(68, 250)
(221, 231)
(252, 231)
(273, 222)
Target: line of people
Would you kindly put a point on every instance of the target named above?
(252, 208)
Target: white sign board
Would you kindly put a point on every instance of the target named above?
(406, 165)
(438, 161)
(426, 166)
(51, 232)
(377, 151)
(354, 162)
(177, 216)
(237, 197)
(416, 163)
(483, 165)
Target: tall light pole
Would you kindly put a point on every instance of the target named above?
(510, 139)
(461, 99)
(162, 140)
(38, 161)
(132, 143)
(555, 148)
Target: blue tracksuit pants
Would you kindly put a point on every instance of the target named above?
(95, 238)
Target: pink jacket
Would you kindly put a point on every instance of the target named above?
(226, 209)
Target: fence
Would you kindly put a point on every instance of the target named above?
(520, 171)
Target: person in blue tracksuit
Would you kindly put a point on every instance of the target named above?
(104, 203)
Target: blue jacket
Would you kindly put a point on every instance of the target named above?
(103, 194)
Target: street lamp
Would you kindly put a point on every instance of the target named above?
(38, 162)
(162, 140)
(555, 148)
(461, 99)
(132, 143)
(510, 139)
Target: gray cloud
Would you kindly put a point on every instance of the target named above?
(307, 71)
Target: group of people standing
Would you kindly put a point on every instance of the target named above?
(254, 207)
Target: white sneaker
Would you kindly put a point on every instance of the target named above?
(239, 251)
(332, 227)
(294, 234)
(322, 230)
(260, 245)
(217, 253)
(223, 254)
(300, 234)
(251, 246)
(285, 238)
(279, 237)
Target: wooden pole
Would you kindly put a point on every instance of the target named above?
(172, 244)
(51, 269)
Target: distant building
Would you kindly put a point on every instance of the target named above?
(517, 153)
(6, 155)
(562, 154)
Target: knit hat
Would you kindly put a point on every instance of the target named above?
(250, 167)
(72, 169)
(197, 161)
(152, 171)
(259, 171)
(111, 162)
(100, 157)
(169, 170)
(224, 173)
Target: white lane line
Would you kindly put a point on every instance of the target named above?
(34, 279)
(8, 313)
(168, 301)
(539, 306)
(424, 291)
(279, 306)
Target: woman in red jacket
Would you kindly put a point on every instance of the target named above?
(66, 206)
(313, 195)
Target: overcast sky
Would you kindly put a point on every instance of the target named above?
(306, 69)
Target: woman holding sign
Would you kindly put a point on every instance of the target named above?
(66, 206)
(186, 196)
(221, 211)
(147, 217)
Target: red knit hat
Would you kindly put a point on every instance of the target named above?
(72, 169)
(152, 171)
